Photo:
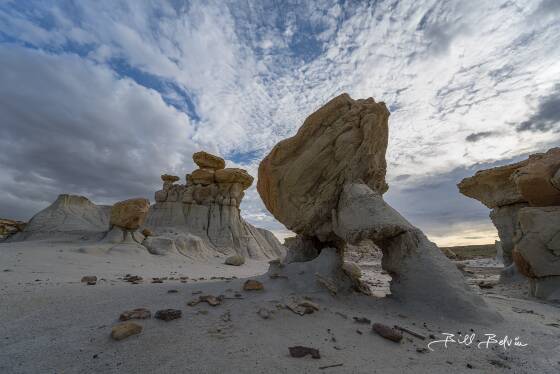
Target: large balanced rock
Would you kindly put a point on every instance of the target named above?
(508, 190)
(302, 177)
(205, 160)
(326, 184)
(530, 181)
(129, 214)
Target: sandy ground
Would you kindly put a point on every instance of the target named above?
(52, 323)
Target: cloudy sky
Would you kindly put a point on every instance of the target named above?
(101, 97)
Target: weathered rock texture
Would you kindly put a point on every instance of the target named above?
(206, 209)
(523, 196)
(342, 142)
(70, 217)
(326, 184)
(129, 214)
(9, 227)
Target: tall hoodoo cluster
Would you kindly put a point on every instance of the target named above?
(525, 202)
(326, 184)
(210, 183)
(200, 219)
(206, 209)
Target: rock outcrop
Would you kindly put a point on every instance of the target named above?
(523, 196)
(70, 217)
(130, 214)
(342, 142)
(206, 208)
(326, 184)
(200, 219)
(9, 227)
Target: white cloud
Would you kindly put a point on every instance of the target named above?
(255, 70)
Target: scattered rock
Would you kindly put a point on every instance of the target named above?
(264, 313)
(361, 320)
(211, 300)
(132, 278)
(124, 330)
(138, 313)
(387, 332)
(302, 307)
(172, 291)
(301, 351)
(235, 260)
(252, 285)
(422, 350)
(147, 232)
(89, 279)
(485, 285)
(168, 314)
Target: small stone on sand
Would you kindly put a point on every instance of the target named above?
(252, 285)
(139, 313)
(301, 351)
(168, 314)
(124, 330)
(387, 332)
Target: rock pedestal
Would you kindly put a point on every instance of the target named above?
(525, 199)
(326, 184)
(206, 209)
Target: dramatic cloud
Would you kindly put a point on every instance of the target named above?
(475, 137)
(100, 97)
(547, 115)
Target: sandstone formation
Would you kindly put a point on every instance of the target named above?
(70, 217)
(129, 214)
(206, 209)
(9, 227)
(524, 198)
(200, 219)
(342, 142)
(326, 184)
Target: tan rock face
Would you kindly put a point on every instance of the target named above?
(535, 180)
(129, 214)
(301, 179)
(203, 176)
(493, 187)
(205, 160)
(234, 175)
(530, 181)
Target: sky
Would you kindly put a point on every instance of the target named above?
(100, 98)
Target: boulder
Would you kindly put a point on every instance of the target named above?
(235, 260)
(535, 180)
(345, 141)
(538, 243)
(168, 180)
(205, 160)
(124, 330)
(129, 214)
(10, 227)
(530, 181)
(234, 175)
(493, 187)
(202, 176)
